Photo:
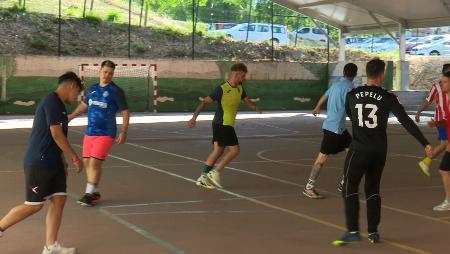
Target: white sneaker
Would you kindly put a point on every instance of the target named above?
(425, 168)
(57, 248)
(444, 206)
(214, 176)
(203, 181)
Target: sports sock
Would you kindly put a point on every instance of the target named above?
(427, 161)
(207, 168)
(315, 170)
(90, 187)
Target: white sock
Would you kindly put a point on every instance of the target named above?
(90, 188)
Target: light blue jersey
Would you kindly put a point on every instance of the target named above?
(336, 94)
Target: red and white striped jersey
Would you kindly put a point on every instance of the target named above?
(440, 98)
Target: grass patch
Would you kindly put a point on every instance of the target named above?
(93, 18)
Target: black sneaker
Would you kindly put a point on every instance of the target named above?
(86, 200)
(348, 238)
(374, 237)
(96, 196)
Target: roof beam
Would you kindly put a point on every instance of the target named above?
(318, 3)
(383, 27)
(378, 11)
(312, 14)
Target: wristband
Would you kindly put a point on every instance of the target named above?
(75, 160)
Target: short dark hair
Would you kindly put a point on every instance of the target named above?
(70, 76)
(239, 67)
(350, 70)
(446, 74)
(374, 68)
(445, 68)
(108, 63)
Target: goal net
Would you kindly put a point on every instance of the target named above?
(139, 82)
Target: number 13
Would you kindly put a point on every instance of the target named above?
(371, 115)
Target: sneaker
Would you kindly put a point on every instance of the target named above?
(444, 206)
(347, 239)
(96, 196)
(341, 186)
(203, 181)
(87, 200)
(312, 193)
(214, 176)
(374, 237)
(57, 248)
(425, 168)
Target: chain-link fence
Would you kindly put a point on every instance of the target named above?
(192, 29)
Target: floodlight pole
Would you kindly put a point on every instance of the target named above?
(84, 9)
(59, 29)
(271, 20)
(193, 29)
(249, 19)
(129, 28)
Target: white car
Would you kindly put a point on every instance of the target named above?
(438, 48)
(257, 32)
(310, 32)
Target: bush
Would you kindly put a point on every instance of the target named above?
(139, 47)
(72, 11)
(66, 51)
(93, 18)
(114, 16)
(38, 43)
(16, 8)
(99, 51)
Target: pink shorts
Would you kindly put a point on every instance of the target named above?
(97, 147)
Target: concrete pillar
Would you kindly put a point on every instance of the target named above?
(341, 58)
(402, 66)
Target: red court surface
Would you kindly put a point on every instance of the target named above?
(152, 205)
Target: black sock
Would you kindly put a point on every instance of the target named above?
(207, 168)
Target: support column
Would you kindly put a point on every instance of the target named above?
(341, 58)
(402, 66)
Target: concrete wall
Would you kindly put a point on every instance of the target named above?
(181, 83)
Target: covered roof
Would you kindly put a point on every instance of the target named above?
(362, 15)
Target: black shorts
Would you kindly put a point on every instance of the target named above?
(41, 184)
(445, 163)
(333, 143)
(224, 135)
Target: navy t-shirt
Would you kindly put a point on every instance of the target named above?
(42, 151)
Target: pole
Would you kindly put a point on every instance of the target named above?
(271, 21)
(59, 29)
(249, 19)
(84, 9)
(328, 44)
(296, 30)
(129, 28)
(193, 29)
(142, 9)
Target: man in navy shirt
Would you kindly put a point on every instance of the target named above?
(44, 163)
(102, 102)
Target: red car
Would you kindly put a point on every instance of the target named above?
(220, 26)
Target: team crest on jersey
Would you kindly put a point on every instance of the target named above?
(105, 94)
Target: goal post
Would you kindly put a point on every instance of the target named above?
(137, 80)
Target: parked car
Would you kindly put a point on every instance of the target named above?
(354, 40)
(257, 32)
(309, 32)
(438, 48)
(426, 40)
(377, 44)
(220, 26)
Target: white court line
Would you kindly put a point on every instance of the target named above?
(278, 208)
(293, 184)
(194, 212)
(259, 154)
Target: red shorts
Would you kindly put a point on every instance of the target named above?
(97, 147)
